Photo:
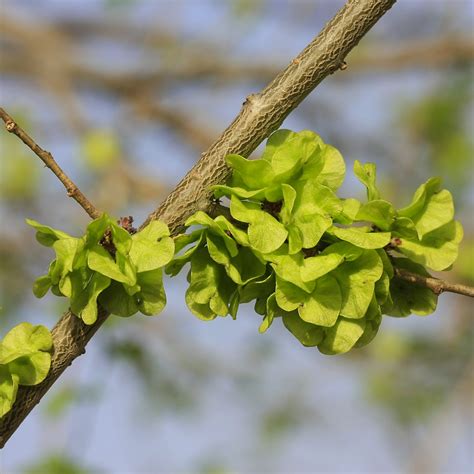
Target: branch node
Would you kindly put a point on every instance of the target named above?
(10, 125)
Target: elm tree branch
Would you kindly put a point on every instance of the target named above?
(261, 114)
(46, 157)
(264, 112)
(436, 285)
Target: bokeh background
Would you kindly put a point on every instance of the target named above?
(126, 94)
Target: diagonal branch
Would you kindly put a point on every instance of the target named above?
(46, 157)
(264, 112)
(436, 285)
(261, 114)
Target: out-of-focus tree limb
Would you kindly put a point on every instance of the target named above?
(190, 62)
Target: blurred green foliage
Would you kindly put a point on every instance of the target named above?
(100, 149)
(416, 373)
(57, 464)
(440, 126)
(19, 173)
(69, 396)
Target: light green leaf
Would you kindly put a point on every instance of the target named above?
(418, 203)
(121, 238)
(312, 228)
(96, 285)
(239, 235)
(202, 311)
(210, 289)
(96, 229)
(46, 235)
(272, 311)
(41, 286)
(295, 239)
(408, 298)
(315, 267)
(148, 253)
(289, 268)
(323, 305)
(289, 197)
(342, 337)
(288, 296)
(387, 264)
(117, 301)
(255, 174)
(266, 234)
(24, 340)
(258, 288)
(382, 288)
(242, 193)
(175, 266)
(346, 250)
(373, 318)
(439, 210)
(31, 369)
(8, 390)
(276, 141)
(244, 267)
(66, 252)
(367, 175)
(199, 218)
(218, 228)
(365, 240)
(244, 211)
(437, 250)
(152, 297)
(315, 198)
(234, 302)
(349, 211)
(334, 168)
(217, 250)
(288, 158)
(102, 262)
(183, 240)
(154, 231)
(308, 334)
(379, 212)
(204, 277)
(357, 281)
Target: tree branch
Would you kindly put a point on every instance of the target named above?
(46, 157)
(261, 114)
(436, 285)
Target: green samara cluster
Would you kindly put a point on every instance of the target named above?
(121, 271)
(324, 264)
(25, 359)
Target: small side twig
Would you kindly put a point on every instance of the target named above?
(45, 156)
(436, 285)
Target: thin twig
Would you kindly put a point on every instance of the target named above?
(436, 285)
(45, 156)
